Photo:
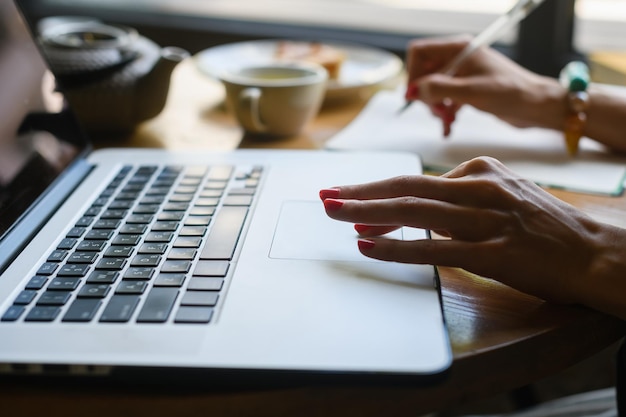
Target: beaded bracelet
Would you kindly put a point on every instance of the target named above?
(575, 77)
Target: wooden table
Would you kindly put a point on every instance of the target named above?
(501, 339)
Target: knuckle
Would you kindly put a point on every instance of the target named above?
(483, 164)
(398, 185)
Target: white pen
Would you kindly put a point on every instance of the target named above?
(490, 34)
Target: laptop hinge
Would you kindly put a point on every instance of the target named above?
(18, 236)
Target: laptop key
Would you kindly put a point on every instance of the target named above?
(221, 173)
(67, 243)
(139, 218)
(151, 200)
(47, 268)
(135, 272)
(73, 270)
(153, 248)
(99, 234)
(101, 201)
(161, 191)
(25, 297)
(207, 202)
(54, 298)
(200, 298)
(175, 206)
(146, 209)
(209, 193)
(82, 310)
(205, 284)
(185, 189)
(126, 240)
(120, 308)
(119, 251)
(166, 226)
(43, 313)
(115, 264)
(187, 242)
(195, 171)
(131, 287)
(94, 291)
(182, 253)
(159, 236)
(93, 211)
(192, 231)
(64, 284)
(13, 313)
(76, 232)
(133, 229)
(36, 283)
(171, 216)
(57, 256)
(224, 233)
(84, 221)
(158, 305)
(169, 280)
(188, 314)
(176, 266)
(121, 204)
(103, 277)
(198, 221)
(91, 245)
(238, 200)
(113, 214)
(211, 269)
(82, 258)
(150, 259)
(201, 211)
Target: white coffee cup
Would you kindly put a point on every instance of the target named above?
(275, 99)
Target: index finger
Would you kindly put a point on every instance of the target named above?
(425, 56)
(424, 186)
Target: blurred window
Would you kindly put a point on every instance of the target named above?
(600, 24)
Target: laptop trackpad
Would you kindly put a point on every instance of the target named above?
(304, 231)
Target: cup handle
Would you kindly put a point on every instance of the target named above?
(249, 108)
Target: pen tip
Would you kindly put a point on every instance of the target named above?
(403, 108)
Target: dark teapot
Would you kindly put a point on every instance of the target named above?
(113, 77)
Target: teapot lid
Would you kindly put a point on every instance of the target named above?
(88, 35)
(86, 50)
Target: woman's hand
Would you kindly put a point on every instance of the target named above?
(486, 80)
(497, 225)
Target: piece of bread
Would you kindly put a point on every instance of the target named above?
(314, 52)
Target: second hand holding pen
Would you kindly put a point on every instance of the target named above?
(519, 11)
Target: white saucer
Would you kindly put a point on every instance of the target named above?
(363, 67)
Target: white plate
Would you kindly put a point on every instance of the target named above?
(363, 66)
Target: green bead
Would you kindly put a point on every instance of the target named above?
(575, 76)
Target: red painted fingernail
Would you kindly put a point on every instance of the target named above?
(440, 110)
(365, 244)
(329, 193)
(412, 92)
(361, 228)
(332, 204)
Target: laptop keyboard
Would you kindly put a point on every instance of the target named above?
(154, 247)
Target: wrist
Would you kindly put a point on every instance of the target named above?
(549, 103)
(603, 286)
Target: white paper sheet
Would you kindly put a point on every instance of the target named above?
(537, 154)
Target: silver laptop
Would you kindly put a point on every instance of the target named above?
(123, 260)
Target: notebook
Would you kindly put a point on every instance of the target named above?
(119, 261)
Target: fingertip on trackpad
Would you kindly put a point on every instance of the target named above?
(304, 231)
